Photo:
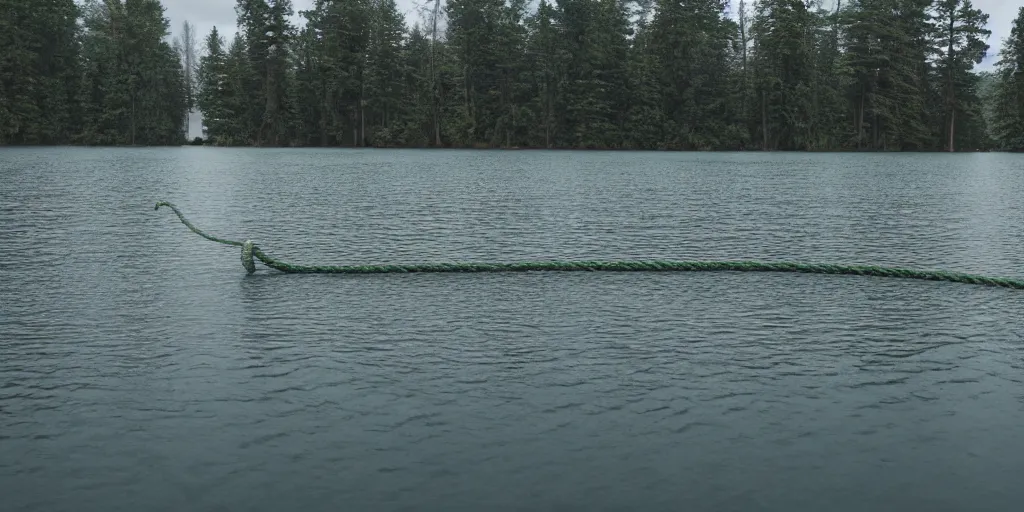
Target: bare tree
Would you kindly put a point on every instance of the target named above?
(187, 47)
(433, 75)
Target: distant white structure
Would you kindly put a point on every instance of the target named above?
(195, 125)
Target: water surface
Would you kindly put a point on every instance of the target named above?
(141, 369)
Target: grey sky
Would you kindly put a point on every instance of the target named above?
(204, 14)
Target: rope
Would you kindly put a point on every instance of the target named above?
(251, 251)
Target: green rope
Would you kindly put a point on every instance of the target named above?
(250, 251)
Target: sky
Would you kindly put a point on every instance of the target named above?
(205, 14)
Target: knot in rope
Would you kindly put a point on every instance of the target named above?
(250, 266)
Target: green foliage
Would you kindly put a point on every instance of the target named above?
(113, 79)
(133, 85)
(887, 60)
(39, 71)
(880, 75)
(959, 35)
(1008, 90)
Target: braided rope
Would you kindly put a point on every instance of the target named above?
(251, 251)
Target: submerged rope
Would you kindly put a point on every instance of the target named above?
(250, 251)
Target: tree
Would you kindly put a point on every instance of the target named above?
(783, 67)
(545, 49)
(133, 83)
(382, 89)
(1008, 113)
(185, 44)
(791, 75)
(212, 89)
(690, 44)
(960, 36)
(39, 71)
(886, 58)
(267, 34)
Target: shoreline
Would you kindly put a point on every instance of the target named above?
(518, 148)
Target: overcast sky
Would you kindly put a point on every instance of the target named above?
(205, 14)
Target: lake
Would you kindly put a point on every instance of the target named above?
(142, 369)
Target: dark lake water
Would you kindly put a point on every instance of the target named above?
(141, 369)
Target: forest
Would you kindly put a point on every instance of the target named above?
(869, 75)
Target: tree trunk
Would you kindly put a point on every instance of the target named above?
(743, 44)
(860, 118)
(435, 89)
(952, 91)
(874, 132)
(764, 120)
(547, 115)
(952, 120)
(133, 119)
(469, 107)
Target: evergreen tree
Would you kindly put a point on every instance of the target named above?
(414, 124)
(783, 68)
(382, 87)
(39, 70)
(783, 75)
(690, 46)
(546, 51)
(1008, 113)
(886, 55)
(134, 91)
(595, 91)
(960, 36)
(267, 35)
(213, 90)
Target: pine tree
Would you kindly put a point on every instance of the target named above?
(783, 66)
(39, 71)
(133, 91)
(960, 41)
(595, 92)
(545, 50)
(382, 86)
(1009, 90)
(868, 74)
(690, 44)
(212, 89)
(267, 36)
(886, 55)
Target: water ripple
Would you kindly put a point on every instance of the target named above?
(141, 369)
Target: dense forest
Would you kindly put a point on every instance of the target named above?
(886, 75)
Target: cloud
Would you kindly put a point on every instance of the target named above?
(205, 14)
(1000, 20)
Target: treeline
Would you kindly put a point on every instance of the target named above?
(98, 72)
(682, 74)
(643, 74)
